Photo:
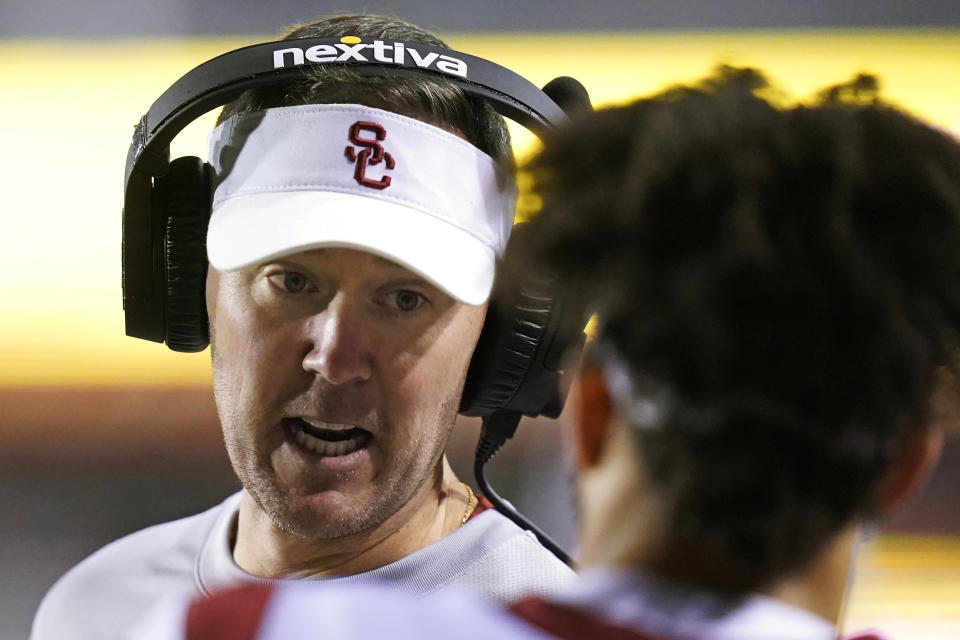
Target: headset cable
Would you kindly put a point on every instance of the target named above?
(497, 428)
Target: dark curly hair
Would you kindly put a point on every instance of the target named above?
(786, 278)
(431, 99)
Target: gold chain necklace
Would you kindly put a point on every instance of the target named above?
(471, 503)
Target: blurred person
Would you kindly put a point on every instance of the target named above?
(340, 345)
(778, 301)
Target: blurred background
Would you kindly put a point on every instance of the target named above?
(101, 434)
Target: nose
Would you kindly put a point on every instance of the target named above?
(340, 343)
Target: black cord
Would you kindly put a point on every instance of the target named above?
(497, 429)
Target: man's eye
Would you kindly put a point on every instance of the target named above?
(406, 300)
(291, 281)
(294, 282)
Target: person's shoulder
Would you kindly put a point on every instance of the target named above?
(511, 562)
(91, 599)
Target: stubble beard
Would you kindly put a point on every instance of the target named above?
(254, 469)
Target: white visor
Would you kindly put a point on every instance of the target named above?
(290, 179)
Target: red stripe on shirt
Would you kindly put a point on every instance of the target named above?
(234, 614)
(569, 623)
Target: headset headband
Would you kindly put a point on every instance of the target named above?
(224, 78)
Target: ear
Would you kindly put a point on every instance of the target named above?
(592, 416)
(910, 469)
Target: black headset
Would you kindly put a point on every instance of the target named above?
(531, 326)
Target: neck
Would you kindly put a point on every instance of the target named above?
(264, 550)
(822, 586)
(819, 587)
(622, 527)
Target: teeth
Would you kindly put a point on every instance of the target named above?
(320, 424)
(325, 447)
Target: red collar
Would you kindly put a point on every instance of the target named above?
(482, 505)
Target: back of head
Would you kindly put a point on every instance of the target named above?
(779, 283)
(431, 99)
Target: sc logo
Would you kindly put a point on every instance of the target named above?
(372, 153)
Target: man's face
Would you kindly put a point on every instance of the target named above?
(337, 376)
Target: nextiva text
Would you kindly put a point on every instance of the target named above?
(395, 53)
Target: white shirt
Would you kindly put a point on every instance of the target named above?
(633, 600)
(112, 590)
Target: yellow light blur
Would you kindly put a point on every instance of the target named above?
(68, 108)
(907, 586)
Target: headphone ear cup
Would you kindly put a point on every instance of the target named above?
(184, 197)
(530, 330)
(512, 332)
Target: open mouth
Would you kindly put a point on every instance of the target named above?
(330, 440)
